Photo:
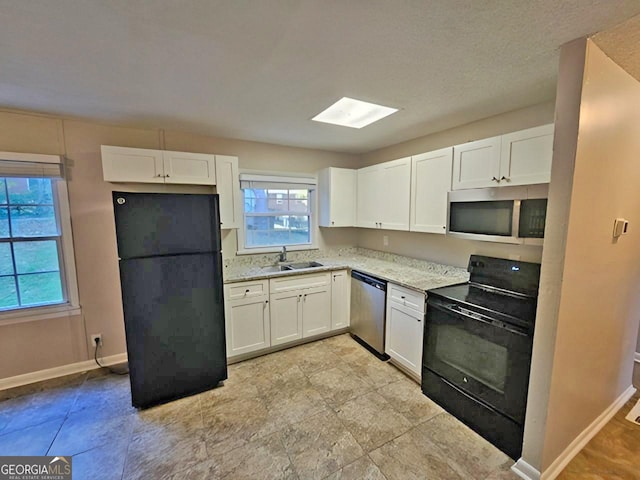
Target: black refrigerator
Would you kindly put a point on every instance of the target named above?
(171, 276)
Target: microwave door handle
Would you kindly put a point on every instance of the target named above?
(515, 226)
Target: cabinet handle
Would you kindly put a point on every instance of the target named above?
(419, 319)
(266, 301)
(494, 179)
(167, 175)
(305, 298)
(332, 222)
(505, 179)
(402, 297)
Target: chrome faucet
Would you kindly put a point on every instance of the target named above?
(283, 254)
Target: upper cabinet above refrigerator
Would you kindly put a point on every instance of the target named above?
(142, 165)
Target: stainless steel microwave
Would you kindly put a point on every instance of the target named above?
(499, 214)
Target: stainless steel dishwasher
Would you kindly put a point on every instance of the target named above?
(368, 311)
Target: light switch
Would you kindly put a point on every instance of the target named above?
(620, 227)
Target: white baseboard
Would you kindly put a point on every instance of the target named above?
(587, 434)
(636, 357)
(61, 371)
(524, 470)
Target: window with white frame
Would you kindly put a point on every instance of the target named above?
(277, 211)
(36, 263)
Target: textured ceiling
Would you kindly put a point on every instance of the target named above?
(622, 45)
(260, 69)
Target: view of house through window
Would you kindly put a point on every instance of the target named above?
(30, 245)
(276, 216)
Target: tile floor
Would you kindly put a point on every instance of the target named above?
(328, 409)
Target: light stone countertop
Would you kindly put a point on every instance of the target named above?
(409, 272)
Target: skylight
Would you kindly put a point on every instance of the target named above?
(348, 112)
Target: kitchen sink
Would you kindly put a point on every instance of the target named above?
(301, 265)
(290, 266)
(276, 268)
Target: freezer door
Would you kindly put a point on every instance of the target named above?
(174, 322)
(151, 224)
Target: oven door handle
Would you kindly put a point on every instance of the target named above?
(455, 309)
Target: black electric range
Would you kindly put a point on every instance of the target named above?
(477, 347)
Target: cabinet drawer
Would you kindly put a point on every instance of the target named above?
(243, 290)
(295, 282)
(404, 296)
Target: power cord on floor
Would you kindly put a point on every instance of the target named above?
(95, 357)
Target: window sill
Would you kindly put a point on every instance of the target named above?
(36, 314)
(292, 248)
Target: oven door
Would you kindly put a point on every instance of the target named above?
(487, 359)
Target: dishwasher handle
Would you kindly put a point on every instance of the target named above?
(369, 280)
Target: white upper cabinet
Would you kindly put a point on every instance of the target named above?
(189, 168)
(430, 179)
(141, 165)
(368, 208)
(384, 195)
(228, 187)
(394, 194)
(476, 164)
(518, 158)
(337, 197)
(526, 156)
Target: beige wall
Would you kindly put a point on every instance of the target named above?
(568, 99)
(600, 300)
(32, 346)
(591, 283)
(438, 248)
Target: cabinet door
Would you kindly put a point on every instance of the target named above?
(139, 165)
(189, 168)
(247, 325)
(228, 187)
(370, 198)
(476, 164)
(316, 311)
(526, 156)
(430, 183)
(337, 197)
(286, 317)
(340, 299)
(393, 194)
(404, 336)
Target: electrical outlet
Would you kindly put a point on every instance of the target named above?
(385, 240)
(97, 337)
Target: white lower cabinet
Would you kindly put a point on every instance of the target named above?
(340, 299)
(405, 327)
(300, 307)
(286, 317)
(316, 311)
(267, 313)
(247, 317)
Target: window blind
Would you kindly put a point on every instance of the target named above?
(10, 168)
(277, 182)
